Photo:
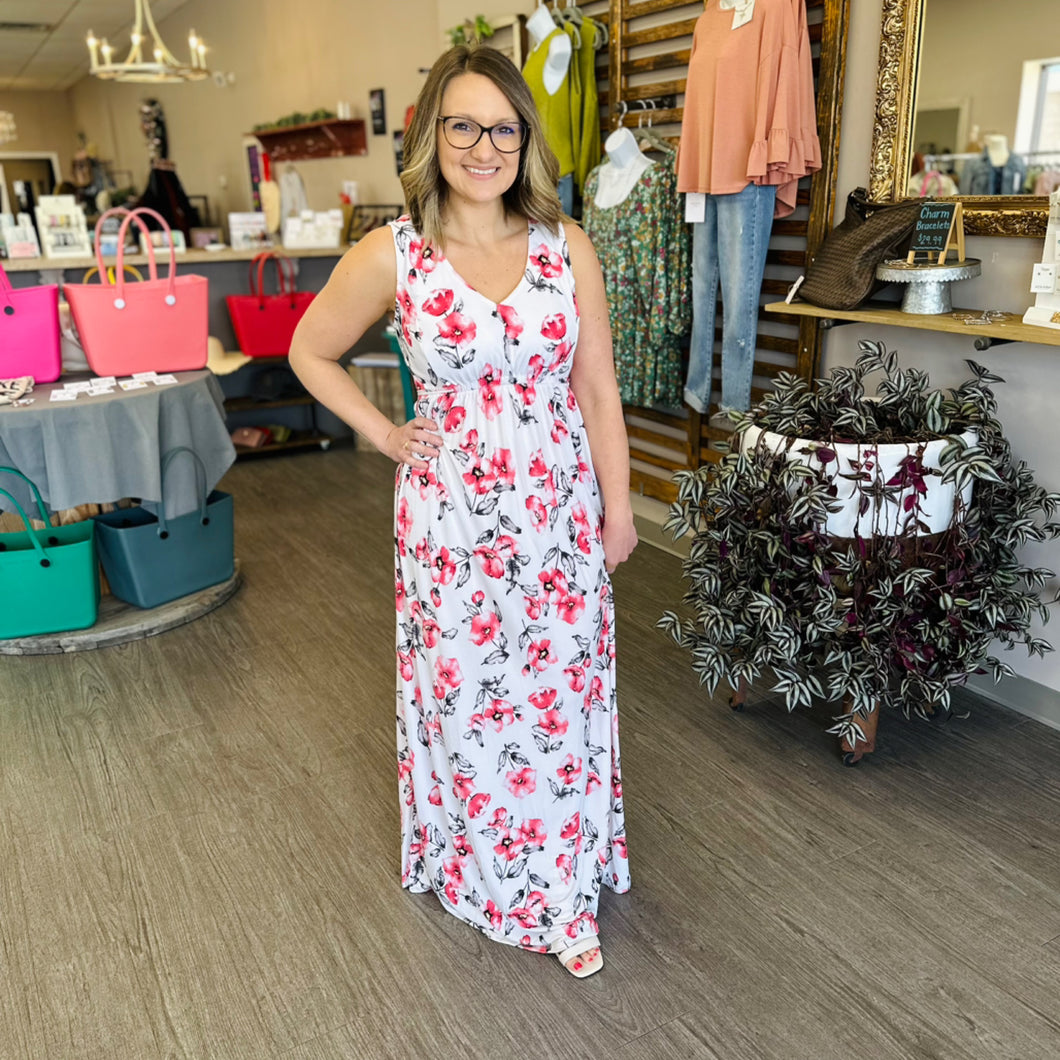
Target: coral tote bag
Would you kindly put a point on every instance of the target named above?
(159, 325)
(264, 323)
(29, 331)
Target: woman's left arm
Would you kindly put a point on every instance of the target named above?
(595, 386)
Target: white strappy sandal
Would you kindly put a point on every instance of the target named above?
(569, 956)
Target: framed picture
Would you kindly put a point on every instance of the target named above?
(399, 150)
(161, 240)
(247, 231)
(201, 238)
(377, 108)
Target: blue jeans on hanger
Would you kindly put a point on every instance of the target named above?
(566, 194)
(729, 246)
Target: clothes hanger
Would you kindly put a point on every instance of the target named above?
(650, 136)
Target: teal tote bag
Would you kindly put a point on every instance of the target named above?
(150, 560)
(49, 578)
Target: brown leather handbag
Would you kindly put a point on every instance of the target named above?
(843, 272)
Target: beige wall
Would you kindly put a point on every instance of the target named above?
(45, 122)
(972, 51)
(285, 57)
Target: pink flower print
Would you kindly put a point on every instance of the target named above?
(494, 915)
(431, 632)
(565, 866)
(447, 676)
(477, 597)
(540, 655)
(492, 564)
(559, 431)
(461, 846)
(423, 256)
(500, 815)
(463, 785)
(527, 391)
(543, 698)
(399, 591)
(575, 676)
(593, 783)
(470, 442)
(509, 843)
(524, 916)
(513, 326)
(535, 902)
(505, 545)
(485, 627)
(596, 691)
(571, 607)
(457, 329)
(405, 766)
(553, 722)
(538, 513)
(521, 782)
(451, 893)
(554, 327)
(454, 419)
(500, 713)
(553, 584)
(436, 597)
(572, 401)
(559, 355)
(434, 796)
(548, 262)
(439, 303)
(501, 461)
(404, 525)
(616, 780)
(583, 543)
(570, 770)
(442, 567)
(537, 367)
(453, 869)
(535, 835)
(405, 665)
(489, 393)
(423, 555)
(548, 488)
(583, 473)
(572, 826)
(477, 806)
(538, 467)
(480, 477)
(533, 607)
(618, 845)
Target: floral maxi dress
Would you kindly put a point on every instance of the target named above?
(511, 794)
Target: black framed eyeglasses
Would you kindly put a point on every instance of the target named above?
(463, 134)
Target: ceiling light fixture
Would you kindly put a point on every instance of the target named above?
(162, 66)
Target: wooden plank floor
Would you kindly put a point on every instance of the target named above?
(199, 847)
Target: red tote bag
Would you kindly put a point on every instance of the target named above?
(29, 331)
(264, 323)
(158, 325)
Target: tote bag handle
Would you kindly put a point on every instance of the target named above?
(104, 273)
(138, 215)
(285, 282)
(36, 493)
(30, 533)
(200, 482)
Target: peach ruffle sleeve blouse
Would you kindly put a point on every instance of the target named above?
(750, 115)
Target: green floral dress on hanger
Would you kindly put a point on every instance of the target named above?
(645, 251)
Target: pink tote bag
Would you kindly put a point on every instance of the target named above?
(29, 331)
(158, 325)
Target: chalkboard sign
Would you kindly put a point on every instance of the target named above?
(939, 227)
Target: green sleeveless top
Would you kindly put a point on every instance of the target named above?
(556, 111)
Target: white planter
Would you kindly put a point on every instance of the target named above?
(882, 461)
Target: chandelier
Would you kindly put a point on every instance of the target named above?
(8, 132)
(161, 67)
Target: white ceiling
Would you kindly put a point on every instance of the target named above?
(54, 57)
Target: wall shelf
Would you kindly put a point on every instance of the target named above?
(333, 138)
(1008, 329)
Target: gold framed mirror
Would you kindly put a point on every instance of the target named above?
(942, 114)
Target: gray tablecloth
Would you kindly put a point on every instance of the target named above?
(99, 449)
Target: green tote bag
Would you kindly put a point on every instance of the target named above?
(49, 578)
(150, 560)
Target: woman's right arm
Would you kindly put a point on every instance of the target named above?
(361, 289)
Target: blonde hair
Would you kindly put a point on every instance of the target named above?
(533, 192)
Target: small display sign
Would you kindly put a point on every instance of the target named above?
(939, 227)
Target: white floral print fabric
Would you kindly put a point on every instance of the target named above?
(510, 783)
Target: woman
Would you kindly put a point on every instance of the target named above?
(507, 728)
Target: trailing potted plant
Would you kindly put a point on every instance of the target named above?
(862, 548)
